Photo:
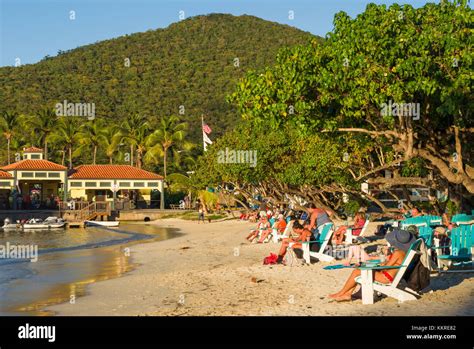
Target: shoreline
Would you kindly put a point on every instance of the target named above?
(64, 273)
(210, 270)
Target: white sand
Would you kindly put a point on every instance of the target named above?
(211, 271)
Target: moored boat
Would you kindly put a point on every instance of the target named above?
(48, 223)
(102, 223)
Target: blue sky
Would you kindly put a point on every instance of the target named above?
(32, 29)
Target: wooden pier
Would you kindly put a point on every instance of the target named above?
(84, 211)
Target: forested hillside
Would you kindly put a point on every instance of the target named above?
(188, 67)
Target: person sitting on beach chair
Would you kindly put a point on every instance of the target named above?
(262, 225)
(294, 242)
(358, 253)
(400, 241)
(359, 222)
(279, 225)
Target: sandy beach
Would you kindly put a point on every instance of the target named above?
(212, 270)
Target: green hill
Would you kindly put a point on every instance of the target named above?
(191, 63)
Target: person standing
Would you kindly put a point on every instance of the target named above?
(201, 214)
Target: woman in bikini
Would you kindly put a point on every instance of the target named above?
(400, 241)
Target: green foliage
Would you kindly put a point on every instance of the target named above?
(351, 207)
(452, 208)
(415, 167)
(395, 54)
(190, 63)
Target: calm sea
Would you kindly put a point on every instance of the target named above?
(68, 260)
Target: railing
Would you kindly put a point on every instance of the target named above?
(87, 211)
(72, 205)
(121, 204)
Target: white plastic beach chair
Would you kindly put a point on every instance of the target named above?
(325, 233)
(276, 237)
(351, 238)
(369, 286)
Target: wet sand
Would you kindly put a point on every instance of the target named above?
(211, 271)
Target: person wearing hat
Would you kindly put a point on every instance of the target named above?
(279, 225)
(400, 242)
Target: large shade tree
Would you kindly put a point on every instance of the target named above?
(398, 54)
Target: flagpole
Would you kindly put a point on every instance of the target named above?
(202, 130)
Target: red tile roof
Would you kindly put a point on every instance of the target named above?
(4, 174)
(111, 172)
(32, 150)
(28, 164)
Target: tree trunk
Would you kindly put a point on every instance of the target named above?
(131, 154)
(70, 157)
(110, 160)
(95, 154)
(8, 150)
(46, 150)
(164, 161)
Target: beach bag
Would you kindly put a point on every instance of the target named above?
(271, 259)
(419, 278)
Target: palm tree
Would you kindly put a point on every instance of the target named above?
(91, 135)
(131, 129)
(141, 141)
(42, 124)
(111, 142)
(9, 121)
(65, 135)
(170, 135)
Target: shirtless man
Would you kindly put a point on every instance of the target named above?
(302, 235)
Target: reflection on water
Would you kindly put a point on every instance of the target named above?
(69, 260)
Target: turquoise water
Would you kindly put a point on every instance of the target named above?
(68, 260)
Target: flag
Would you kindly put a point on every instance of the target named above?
(206, 128)
(206, 140)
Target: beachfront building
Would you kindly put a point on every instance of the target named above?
(34, 182)
(121, 184)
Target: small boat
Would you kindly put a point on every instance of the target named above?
(8, 225)
(48, 223)
(34, 223)
(102, 223)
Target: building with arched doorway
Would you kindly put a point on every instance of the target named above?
(34, 182)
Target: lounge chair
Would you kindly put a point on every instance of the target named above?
(462, 243)
(421, 221)
(462, 219)
(325, 233)
(369, 286)
(276, 237)
(350, 238)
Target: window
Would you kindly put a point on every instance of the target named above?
(76, 184)
(153, 184)
(40, 174)
(54, 175)
(27, 174)
(4, 184)
(124, 184)
(139, 184)
(105, 184)
(91, 184)
(35, 156)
